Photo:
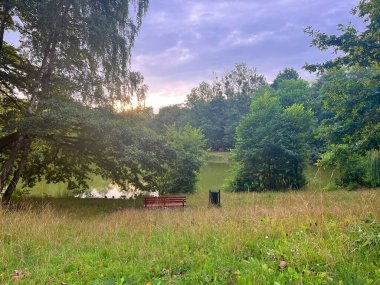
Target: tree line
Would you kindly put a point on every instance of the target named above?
(66, 90)
(275, 130)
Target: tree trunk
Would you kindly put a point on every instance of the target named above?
(40, 86)
(18, 172)
(5, 13)
(9, 139)
(10, 162)
(47, 64)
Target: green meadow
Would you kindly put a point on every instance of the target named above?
(300, 237)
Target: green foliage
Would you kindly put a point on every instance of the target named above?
(241, 80)
(180, 175)
(331, 186)
(286, 74)
(353, 127)
(271, 145)
(293, 92)
(373, 168)
(168, 116)
(85, 44)
(211, 118)
(13, 74)
(203, 93)
(367, 235)
(358, 48)
(353, 98)
(350, 97)
(72, 68)
(237, 107)
(354, 169)
(217, 108)
(73, 141)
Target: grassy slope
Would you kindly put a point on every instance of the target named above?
(322, 237)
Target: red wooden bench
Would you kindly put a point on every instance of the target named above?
(165, 201)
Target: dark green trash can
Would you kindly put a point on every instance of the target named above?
(214, 198)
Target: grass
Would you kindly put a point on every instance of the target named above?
(299, 237)
(317, 237)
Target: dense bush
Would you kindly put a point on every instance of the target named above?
(373, 168)
(271, 146)
(180, 175)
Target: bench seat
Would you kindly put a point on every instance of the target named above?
(165, 201)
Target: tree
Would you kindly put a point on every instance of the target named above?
(286, 74)
(93, 140)
(211, 118)
(205, 92)
(237, 107)
(216, 108)
(180, 176)
(168, 116)
(293, 92)
(241, 80)
(352, 96)
(357, 48)
(271, 146)
(76, 50)
(349, 91)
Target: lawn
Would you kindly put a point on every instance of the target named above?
(304, 237)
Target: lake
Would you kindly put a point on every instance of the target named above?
(213, 174)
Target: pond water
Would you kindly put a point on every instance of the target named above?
(213, 174)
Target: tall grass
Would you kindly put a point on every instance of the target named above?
(316, 237)
(373, 170)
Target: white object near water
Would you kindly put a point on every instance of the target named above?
(114, 191)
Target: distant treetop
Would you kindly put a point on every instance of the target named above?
(286, 74)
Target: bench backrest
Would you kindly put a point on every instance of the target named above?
(164, 199)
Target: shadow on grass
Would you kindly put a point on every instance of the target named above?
(75, 206)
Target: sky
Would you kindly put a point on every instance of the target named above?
(185, 42)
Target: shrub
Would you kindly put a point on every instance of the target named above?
(331, 186)
(181, 175)
(373, 168)
(271, 146)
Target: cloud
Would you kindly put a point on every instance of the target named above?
(168, 93)
(173, 56)
(158, 18)
(237, 38)
(199, 13)
(183, 41)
